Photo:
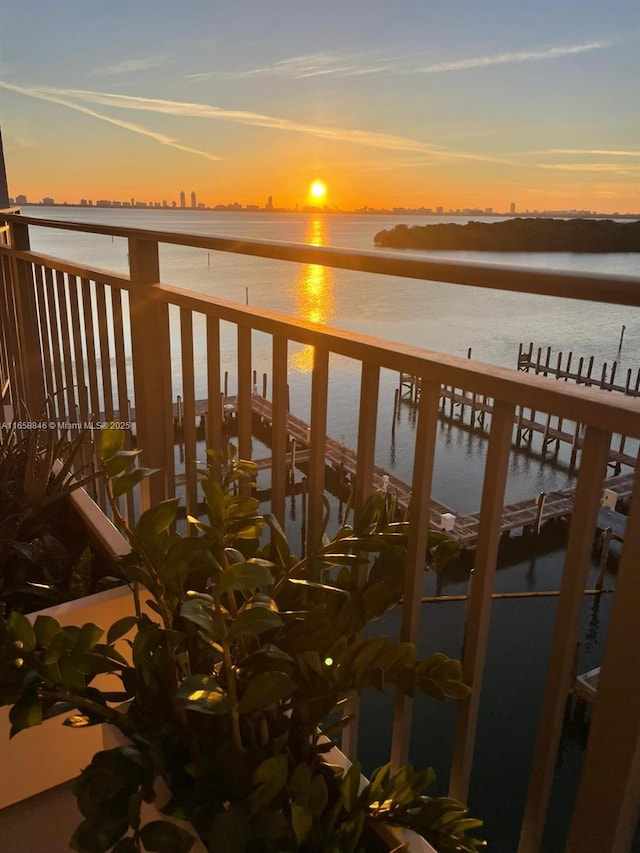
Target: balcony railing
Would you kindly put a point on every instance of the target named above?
(69, 331)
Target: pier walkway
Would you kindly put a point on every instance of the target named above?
(527, 514)
(531, 513)
(339, 456)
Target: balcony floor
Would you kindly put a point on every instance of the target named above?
(40, 824)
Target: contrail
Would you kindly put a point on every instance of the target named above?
(207, 111)
(126, 125)
(508, 58)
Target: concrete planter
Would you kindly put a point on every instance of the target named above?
(47, 821)
(44, 756)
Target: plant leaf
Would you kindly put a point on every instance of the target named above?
(120, 461)
(120, 628)
(111, 441)
(26, 712)
(203, 693)
(266, 689)
(254, 621)
(201, 612)
(45, 628)
(160, 836)
(230, 831)
(88, 636)
(246, 576)
(158, 518)
(271, 776)
(350, 786)
(302, 821)
(22, 630)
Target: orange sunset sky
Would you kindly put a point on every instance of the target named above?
(465, 104)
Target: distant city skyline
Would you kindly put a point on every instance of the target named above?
(463, 105)
(269, 207)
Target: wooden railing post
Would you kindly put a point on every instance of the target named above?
(150, 348)
(11, 370)
(214, 413)
(565, 635)
(363, 486)
(279, 434)
(419, 514)
(317, 449)
(479, 606)
(245, 413)
(29, 355)
(606, 810)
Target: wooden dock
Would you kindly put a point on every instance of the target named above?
(340, 457)
(527, 514)
(553, 431)
(581, 374)
(477, 407)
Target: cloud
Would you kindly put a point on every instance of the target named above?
(52, 97)
(376, 62)
(510, 58)
(599, 152)
(308, 65)
(206, 111)
(612, 168)
(130, 66)
(361, 165)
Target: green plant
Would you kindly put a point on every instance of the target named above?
(233, 691)
(44, 556)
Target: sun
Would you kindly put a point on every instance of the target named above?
(318, 189)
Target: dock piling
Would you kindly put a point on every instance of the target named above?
(621, 337)
(604, 554)
(540, 500)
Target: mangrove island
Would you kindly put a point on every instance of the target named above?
(518, 235)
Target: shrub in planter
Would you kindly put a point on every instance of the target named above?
(44, 549)
(233, 691)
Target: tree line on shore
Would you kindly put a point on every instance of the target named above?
(518, 235)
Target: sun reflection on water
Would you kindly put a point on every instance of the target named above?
(314, 294)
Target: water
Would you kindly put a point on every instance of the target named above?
(450, 319)
(427, 314)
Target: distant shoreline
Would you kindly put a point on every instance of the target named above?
(311, 210)
(518, 235)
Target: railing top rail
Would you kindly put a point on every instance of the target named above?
(588, 405)
(615, 289)
(79, 270)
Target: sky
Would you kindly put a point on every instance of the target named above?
(391, 103)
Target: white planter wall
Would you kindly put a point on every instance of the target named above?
(39, 758)
(43, 756)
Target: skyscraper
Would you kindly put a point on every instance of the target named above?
(4, 189)
(512, 207)
(183, 199)
(193, 199)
